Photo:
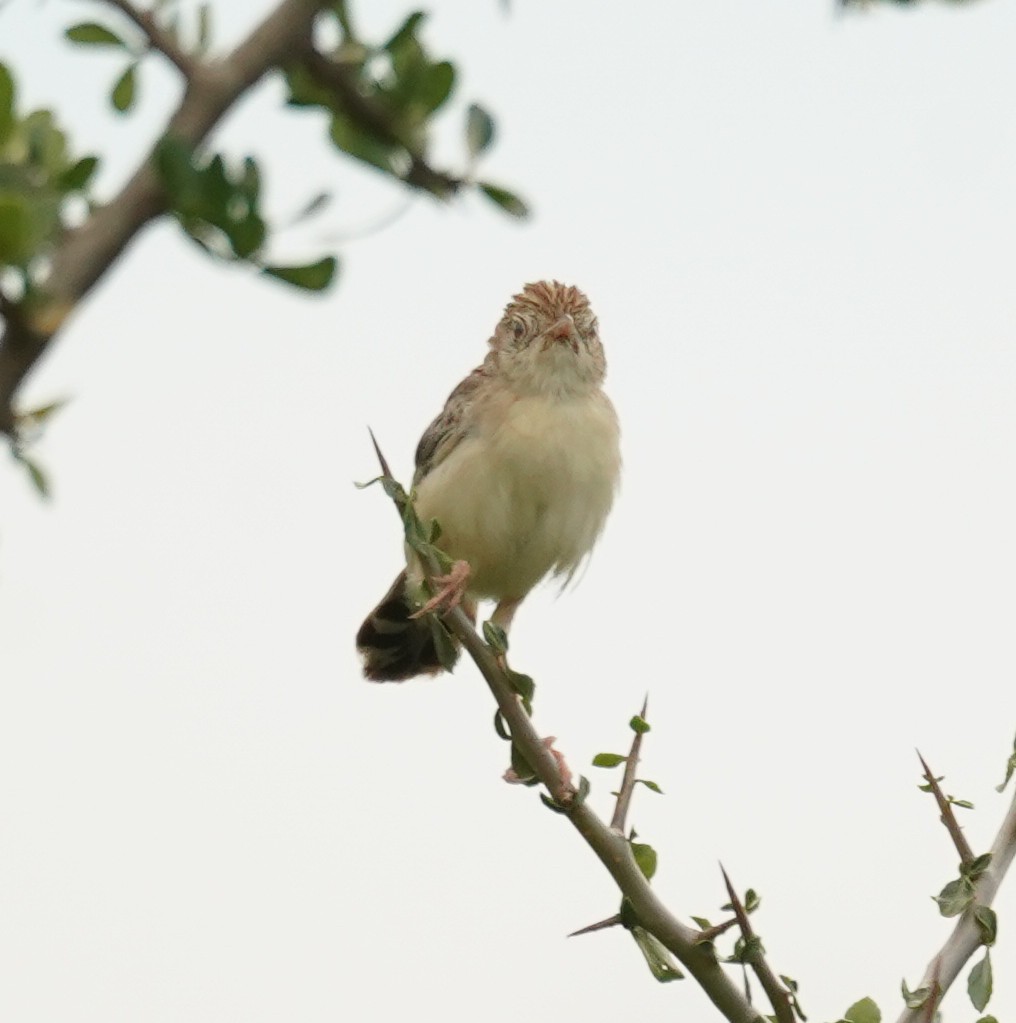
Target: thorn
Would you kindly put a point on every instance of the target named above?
(600, 925)
(380, 457)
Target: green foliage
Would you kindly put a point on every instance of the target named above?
(914, 999)
(608, 759)
(979, 983)
(38, 174)
(480, 130)
(645, 857)
(1010, 767)
(639, 725)
(89, 33)
(863, 1011)
(507, 201)
(381, 100)
(123, 94)
(311, 277)
(661, 963)
(219, 209)
(959, 893)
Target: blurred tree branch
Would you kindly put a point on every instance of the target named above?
(380, 100)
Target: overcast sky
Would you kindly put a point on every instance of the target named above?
(796, 227)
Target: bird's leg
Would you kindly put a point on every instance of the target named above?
(502, 616)
(452, 588)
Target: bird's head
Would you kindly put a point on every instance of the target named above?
(548, 342)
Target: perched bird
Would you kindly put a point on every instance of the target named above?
(519, 469)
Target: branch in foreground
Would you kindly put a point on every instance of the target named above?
(948, 818)
(967, 935)
(611, 847)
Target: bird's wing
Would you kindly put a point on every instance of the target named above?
(451, 425)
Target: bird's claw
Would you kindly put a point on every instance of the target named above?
(452, 588)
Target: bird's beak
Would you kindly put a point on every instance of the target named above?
(562, 330)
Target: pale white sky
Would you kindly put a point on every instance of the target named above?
(797, 230)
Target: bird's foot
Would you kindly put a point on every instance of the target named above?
(452, 588)
(563, 769)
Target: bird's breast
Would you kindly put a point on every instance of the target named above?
(527, 489)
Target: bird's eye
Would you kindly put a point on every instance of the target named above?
(518, 329)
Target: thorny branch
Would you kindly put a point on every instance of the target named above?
(965, 938)
(617, 822)
(948, 816)
(611, 847)
(779, 997)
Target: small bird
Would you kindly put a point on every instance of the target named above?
(519, 470)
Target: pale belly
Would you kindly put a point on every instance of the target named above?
(527, 494)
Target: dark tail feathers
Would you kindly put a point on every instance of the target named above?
(394, 646)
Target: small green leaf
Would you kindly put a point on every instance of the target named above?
(508, 201)
(661, 963)
(1010, 766)
(702, 923)
(479, 130)
(965, 803)
(645, 857)
(501, 726)
(976, 867)
(987, 1019)
(435, 86)
(608, 759)
(496, 637)
(752, 900)
(447, 651)
(406, 31)
(863, 1011)
(91, 34)
(552, 804)
(582, 792)
(955, 897)
(6, 103)
(914, 999)
(522, 684)
(979, 983)
(123, 93)
(651, 785)
(639, 724)
(39, 479)
(987, 921)
(77, 176)
(312, 277)
(523, 771)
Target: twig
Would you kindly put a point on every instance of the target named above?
(777, 994)
(717, 929)
(965, 938)
(333, 76)
(158, 38)
(601, 925)
(617, 822)
(86, 253)
(948, 818)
